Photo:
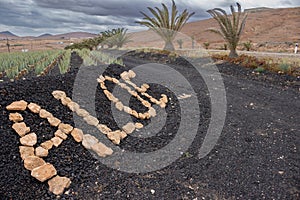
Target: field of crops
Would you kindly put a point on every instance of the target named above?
(18, 64)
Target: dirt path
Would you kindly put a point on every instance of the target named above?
(256, 157)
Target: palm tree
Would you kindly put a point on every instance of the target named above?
(115, 37)
(230, 27)
(166, 25)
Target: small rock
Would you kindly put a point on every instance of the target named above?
(29, 139)
(21, 128)
(116, 81)
(66, 128)
(114, 136)
(142, 116)
(56, 141)
(135, 114)
(119, 105)
(65, 100)
(32, 162)
(147, 115)
(101, 78)
(41, 152)
(162, 104)
(145, 85)
(127, 109)
(133, 93)
(44, 172)
(88, 141)
(45, 114)
(125, 76)
(33, 107)
(57, 94)
(17, 105)
(53, 121)
(47, 145)
(58, 184)
(101, 150)
(82, 113)
(77, 134)
(129, 128)
(152, 191)
(164, 98)
(146, 104)
(60, 134)
(91, 120)
(26, 151)
(131, 74)
(73, 106)
(103, 129)
(15, 117)
(103, 87)
(152, 112)
(138, 125)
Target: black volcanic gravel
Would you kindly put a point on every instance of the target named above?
(256, 157)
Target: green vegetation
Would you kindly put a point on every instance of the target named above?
(115, 37)
(248, 45)
(17, 64)
(166, 24)
(230, 29)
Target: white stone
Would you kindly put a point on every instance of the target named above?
(91, 120)
(33, 107)
(26, 151)
(56, 141)
(57, 94)
(101, 150)
(32, 162)
(45, 114)
(77, 134)
(88, 141)
(129, 128)
(47, 145)
(60, 134)
(41, 152)
(66, 128)
(53, 121)
(58, 184)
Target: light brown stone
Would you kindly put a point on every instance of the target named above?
(103, 87)
(108, 78)
(119, 105)
(154, 100)
(65, 100)
(66, 128)
(129, 127)
(82, 112)
(47, 145)
(73, 106)
(44, 172)
(145, 85)
(56, 141)
(146, 104)
(103, 128)
(101, 78)
(142, 116)
(138, 125)
(91, 120)
(33, 107)
(114, 136)
(89, 140)
(125, 76)
(134, 93)
(152, 112)
(29, 139)
(58, 184)
(135, 114)
(53, 121)
(110, 96)
(116, 81)
(32, 162)
(44, 114)
(131, 74)
(15, 117)
(164, 98)
(127, 109)
(101, 150)
(57, 94)
(17, 105)
(41, 152)
(162, 104)
(122, 85)
(60, 134)
(21, 128)
(26, 151)
(77, 134)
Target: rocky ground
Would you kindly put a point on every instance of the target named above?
(256, 157)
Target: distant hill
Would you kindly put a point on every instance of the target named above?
(45, 35)
(7, 34)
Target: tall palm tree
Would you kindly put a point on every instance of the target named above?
(115, 37)
(166, 24)
(230, 27)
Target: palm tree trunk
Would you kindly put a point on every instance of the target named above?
(233, 53)
(169, 46)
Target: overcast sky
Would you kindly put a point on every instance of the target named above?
(36, 17)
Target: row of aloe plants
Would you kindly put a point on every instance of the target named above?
(17, 64)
